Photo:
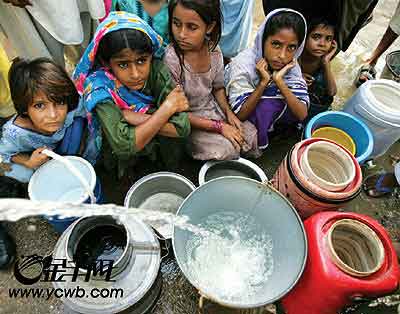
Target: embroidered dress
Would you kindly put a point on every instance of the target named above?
(100, 89)
(198, 88)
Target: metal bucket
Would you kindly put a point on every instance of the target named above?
(161, 191)
(391, 71)
(136, 273)
(239, 167)
(272, 213)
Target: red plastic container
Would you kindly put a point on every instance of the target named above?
(305, 196)
(326, 287)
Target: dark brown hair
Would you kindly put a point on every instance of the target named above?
(27, 77)
(209, 11)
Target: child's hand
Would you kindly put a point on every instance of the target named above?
(328, 57)
(234, 121)
(262, 68)
(277, 76)
(177, 100)
(37, 158)
(309, 79)
(233, 135)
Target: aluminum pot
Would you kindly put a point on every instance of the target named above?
(273, 214)
(162, 191)
(239, 167)
(391, 71)
(137, 267)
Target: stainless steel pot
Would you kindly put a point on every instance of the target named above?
(273, 214)
(137, 272)
(239, 167)
(161, 191)
(391, 71)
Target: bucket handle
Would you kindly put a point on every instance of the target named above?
(73, 170)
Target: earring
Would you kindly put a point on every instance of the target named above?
(208, 36)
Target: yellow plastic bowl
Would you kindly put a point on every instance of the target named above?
(338, 136)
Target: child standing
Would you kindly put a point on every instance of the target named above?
(130, 94)
(153, 12)
(196, 63)
(45, 99)
(265, 83)
(315, 63)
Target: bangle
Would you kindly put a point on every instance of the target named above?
(217, 126)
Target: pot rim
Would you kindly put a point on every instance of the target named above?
(124, 254)
(305, 165)
(92, 182)
(361, 228)
(294, 282)
(211, 163)
(156, 175)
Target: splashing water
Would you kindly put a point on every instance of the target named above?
(15, 209)
(231, 258)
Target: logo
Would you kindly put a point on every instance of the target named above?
(31, 269)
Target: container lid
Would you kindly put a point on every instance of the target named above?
(135, 280)
(384, 96)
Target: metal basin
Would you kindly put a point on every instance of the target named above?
(161, 191)
(272, 213)
(240, 167)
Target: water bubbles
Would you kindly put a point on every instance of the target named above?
(231, 257)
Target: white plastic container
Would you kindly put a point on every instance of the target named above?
(54, 182)
(377, 103)
(328, 166)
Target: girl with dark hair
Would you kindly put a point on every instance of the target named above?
(315, 63)
(46, 102)
(265, 83)
(196, 63)
(129, 94)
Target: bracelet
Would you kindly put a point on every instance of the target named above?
(217, 125)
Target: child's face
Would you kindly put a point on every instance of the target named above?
(131, 68)
(189, 29)
(319, 41)
(152, 7)
(47, 116)
(279, 49)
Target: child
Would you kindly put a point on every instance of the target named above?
(154, 12)
(197, 64)
(130, 93)
(316, 65)
(278, 91)
(45, 99)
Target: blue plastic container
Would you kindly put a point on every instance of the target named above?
(353, 126)
(55, 182)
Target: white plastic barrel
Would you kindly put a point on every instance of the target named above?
(377, 103)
